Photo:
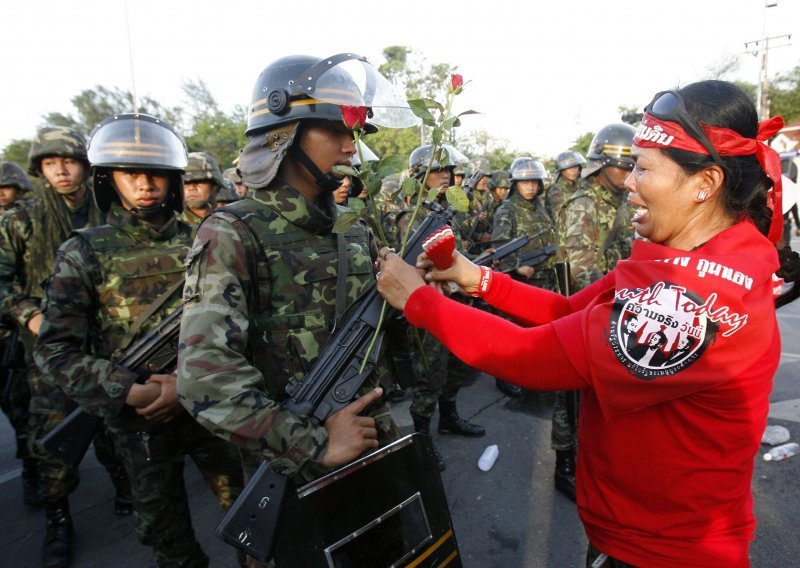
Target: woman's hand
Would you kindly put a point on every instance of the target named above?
(396, 279)
(462, 272)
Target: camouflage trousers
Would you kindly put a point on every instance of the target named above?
(155, 463)
(564, 434)
(15, 401)
(48, 407)
(442, 380)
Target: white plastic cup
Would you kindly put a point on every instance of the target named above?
(488, 457)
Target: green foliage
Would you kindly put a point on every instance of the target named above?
(400, 141)
(785, 95)
(582, 143)
(17, 151)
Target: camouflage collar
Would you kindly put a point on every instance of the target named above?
(139, 229)
(289, 204)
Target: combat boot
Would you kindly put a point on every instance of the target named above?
(564, 477)
(57, 549)
(422, 424)
(508, 389)
(30, 482)
(451, 423)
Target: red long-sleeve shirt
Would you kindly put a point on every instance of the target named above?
(675, 352)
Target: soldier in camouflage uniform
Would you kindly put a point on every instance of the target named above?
(228, 193)
(15, 393)
(440, 382)
(202, 182)
(594, 232)
(29, 237)
(523, 213)
(264, 288)
(233, 175)
(111, 284)
(568, 173)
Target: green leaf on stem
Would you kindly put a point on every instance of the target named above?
(457, 197)
(419, 108)
(466, 112)
(436, 135)
(374, 187)
(410, 187)
(391, 164)
(344, 170)
(451, 123)
(345, 221)
(433, 193)
(433, 103)
(356, 205)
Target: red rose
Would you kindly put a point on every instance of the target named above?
(355, 117)
(455, 83)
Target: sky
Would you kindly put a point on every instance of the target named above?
(540, 73)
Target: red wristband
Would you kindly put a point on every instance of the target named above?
(484, 283)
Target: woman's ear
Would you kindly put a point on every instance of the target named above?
(709, 183)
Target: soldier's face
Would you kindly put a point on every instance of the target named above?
(8, 194)
(528, 188)
(500, 193)
(142, 188)
(241, 190)
(340, 193)
(328, 144)
(664, 200)
(616, 176)
(439, 178)
(571, 174)
(482, 184)
(458, 180)
(64, 174)
(200, 190)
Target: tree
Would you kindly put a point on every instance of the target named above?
(212, 130)
(785, 95)
(582, 143)
(630, 114)
(17, 151)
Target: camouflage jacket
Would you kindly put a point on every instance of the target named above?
(188, 217)
(245, 335)
(19, 298)
(515, 217)
(587, 219)
(557, 193)
(104, 278)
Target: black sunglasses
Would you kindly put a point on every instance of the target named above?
(669, 105)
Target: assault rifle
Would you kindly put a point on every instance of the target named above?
(155, 352)
(13, 357)
(331, 384)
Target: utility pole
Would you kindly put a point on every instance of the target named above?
(761, 47)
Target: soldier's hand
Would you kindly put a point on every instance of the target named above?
(166, 406)
(525, 271)
(349, 434)
(34, 324)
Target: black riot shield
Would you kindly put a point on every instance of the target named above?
(387, 509)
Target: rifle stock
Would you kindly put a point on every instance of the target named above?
(155, 352)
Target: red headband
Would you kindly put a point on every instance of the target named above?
(655, 133)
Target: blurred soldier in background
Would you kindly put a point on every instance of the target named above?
(233, 175)
(202, 182)
(595, 232)
(568, 173)
(15, 393)
(523, 213)
(111, 284)
(29, 237)
(228, 193)
(440, 383)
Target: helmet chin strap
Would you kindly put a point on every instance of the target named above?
(326, 182)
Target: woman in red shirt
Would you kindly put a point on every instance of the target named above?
(674, 350)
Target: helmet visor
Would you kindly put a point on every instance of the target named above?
(137, 141)
(347, 79)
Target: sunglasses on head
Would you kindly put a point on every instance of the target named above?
(670, 106)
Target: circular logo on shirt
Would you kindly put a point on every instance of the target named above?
(655, 332)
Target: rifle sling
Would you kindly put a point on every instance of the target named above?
(133, 330)
(341, 280)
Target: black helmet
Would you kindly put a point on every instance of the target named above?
(528, 168)
(419, 158)
(11, 175)
(136, 141)
(611, 146)
(569, 159)
(302, 87)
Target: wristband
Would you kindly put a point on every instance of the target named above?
(484, 283)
